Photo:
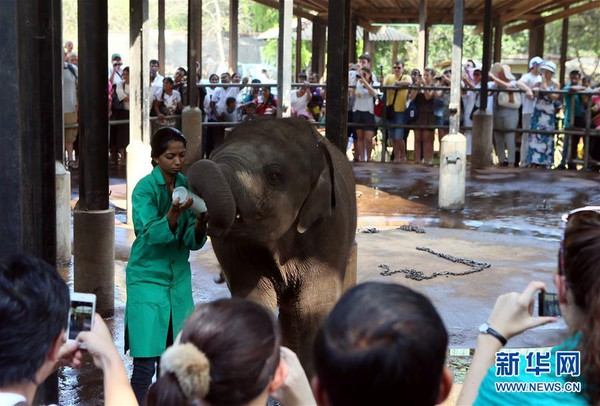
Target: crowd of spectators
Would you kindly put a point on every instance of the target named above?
(417, 104)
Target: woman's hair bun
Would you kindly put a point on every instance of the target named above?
(191, 368)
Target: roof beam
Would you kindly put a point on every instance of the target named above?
(553, 17)
(297, 11)
(525, 7)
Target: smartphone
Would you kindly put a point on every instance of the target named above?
(81, 313)
(548, 304)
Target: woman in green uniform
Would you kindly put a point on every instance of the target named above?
(159, 282)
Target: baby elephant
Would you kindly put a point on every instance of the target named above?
(282, 222)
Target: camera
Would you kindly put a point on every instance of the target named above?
(548, 304)
(81, 314)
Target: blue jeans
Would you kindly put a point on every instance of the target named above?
(399, 118)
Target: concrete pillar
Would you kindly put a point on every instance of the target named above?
(453, 147)
(191, 126)
(138, 151)
(95, 257)
(483, 124)
(63, 214)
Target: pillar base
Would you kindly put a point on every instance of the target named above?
(139, 164)
(63, 214)
(453, 171)
(94, 247)
(483, 125)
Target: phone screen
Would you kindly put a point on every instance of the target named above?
(80, 318)
(548, 304)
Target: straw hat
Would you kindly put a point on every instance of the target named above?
(497, 69)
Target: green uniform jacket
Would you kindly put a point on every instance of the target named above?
(159, 280)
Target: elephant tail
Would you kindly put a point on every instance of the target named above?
(208, 181)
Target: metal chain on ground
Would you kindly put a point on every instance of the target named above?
(412, 228)
(420, 276)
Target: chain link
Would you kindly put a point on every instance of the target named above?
(420, 276)
(412, 228)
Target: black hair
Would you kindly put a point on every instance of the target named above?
(154, 62)
(229, 100)
(34, 308)
(211, 76)
(255, 81)
(183, 70)
(241, 340)
(366, 57)
(161, 138)
(168, 79)
(582, 274)
(126, 69)
(381, 342)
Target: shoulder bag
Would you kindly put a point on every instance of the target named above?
(390, 112)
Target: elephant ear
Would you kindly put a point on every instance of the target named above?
(321, 199)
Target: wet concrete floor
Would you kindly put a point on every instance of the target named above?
(511, 220)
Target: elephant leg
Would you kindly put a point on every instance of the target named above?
(351, 267)
(302, 315)
(262, 293)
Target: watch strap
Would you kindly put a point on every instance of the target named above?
(486, 329)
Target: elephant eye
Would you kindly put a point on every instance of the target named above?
(274, 175)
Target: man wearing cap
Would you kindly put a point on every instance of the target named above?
(526, 83)
(115, 72)
(572, 121)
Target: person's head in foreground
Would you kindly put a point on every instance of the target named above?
(228, 354)
(578, 286)
(34, 307)
(381, 344)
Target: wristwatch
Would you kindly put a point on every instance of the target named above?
(486, 329)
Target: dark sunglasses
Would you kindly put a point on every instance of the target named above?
(565, 218)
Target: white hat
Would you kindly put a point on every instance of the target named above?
(536, 60)
(549, 66)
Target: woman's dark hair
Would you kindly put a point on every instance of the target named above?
(213, 75)
(367, 70)
(126, 69)
(582, 272)
(168, 79)
(241, 340)
(161, 138)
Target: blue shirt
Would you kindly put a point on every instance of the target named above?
(579, 111)
(488, 395)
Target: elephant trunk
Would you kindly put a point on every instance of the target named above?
(208, 181)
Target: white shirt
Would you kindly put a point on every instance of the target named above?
(169, 101)
(69, 88)
(530, 80)
(11, 399)
(298, 104)
(122, 92)
(363, 101)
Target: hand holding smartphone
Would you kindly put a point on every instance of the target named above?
(548, 304)
(81, 314)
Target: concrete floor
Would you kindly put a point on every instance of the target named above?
(511, 220)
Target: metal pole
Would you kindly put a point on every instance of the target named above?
(284, 56)
(161, 35)
(234, 6)
(194, 44)
(456, 67)
(487, 50)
